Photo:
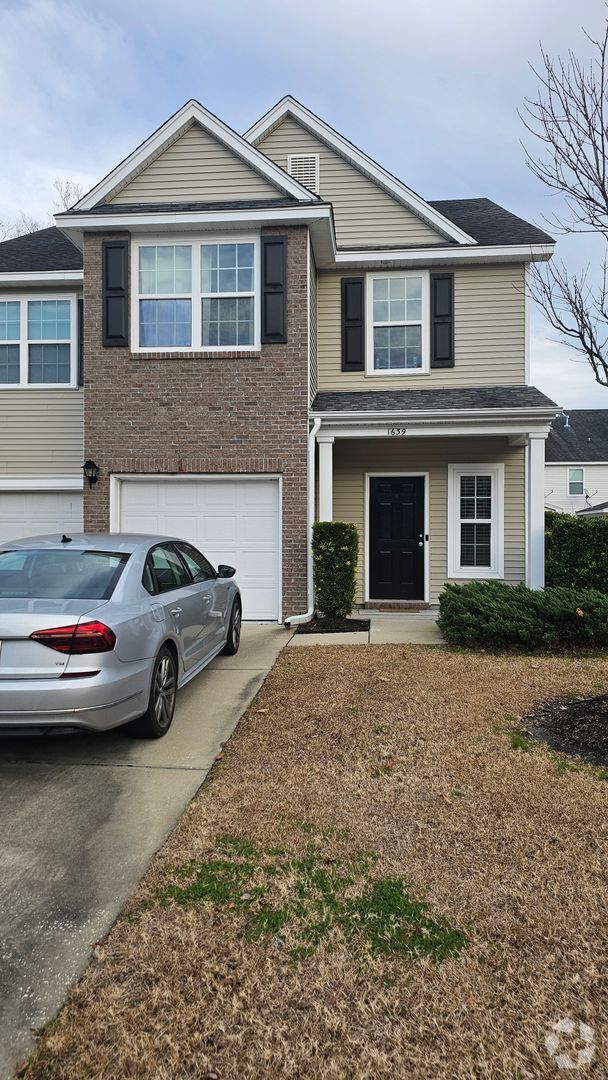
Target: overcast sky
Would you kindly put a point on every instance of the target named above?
(429, 90)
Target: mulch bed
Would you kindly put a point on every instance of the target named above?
(334, 626)
(577, 727)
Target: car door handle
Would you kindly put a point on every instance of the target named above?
(176, 610)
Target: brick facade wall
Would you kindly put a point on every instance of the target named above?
(170, 413)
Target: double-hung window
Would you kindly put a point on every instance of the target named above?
(397, 323)
(202, 295)
(576, 481)
(38, 341)
(475, 521)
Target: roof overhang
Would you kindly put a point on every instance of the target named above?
(288, 106)
(41, 277)
(516, 424)
(319, 216)
(194, 112)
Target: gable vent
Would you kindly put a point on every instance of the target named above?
(305, 169)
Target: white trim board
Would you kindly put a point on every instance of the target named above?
(289, 106)
(41, 277)
(41, 483)
(427, 544)
(194, 112)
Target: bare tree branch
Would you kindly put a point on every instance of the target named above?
(68, 193)
(18, 226)
(569, 119)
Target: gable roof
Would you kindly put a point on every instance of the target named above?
(39, 252)
(585, 438)
(194, 112)
(490, 223)
(289, 106)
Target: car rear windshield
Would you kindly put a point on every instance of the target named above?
(60, 575)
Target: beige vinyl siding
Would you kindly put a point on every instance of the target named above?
(312, 301)
(364, 213)
(489, 334)
(595, 481)
(195, 167)
(41, 432)
(354, 458)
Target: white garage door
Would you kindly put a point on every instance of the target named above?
(234, 521)
(32, 513)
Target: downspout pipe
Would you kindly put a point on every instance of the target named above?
(295, 620)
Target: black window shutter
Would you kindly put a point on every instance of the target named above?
(81, 342)
(274, 289)
(442, 320)
(353, 324)
(115, 270)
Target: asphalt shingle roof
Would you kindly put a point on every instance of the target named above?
(584, 439)
(489, 223)
(45, 249)
(483, 397)
(175, 207)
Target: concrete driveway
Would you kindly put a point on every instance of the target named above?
(81, 817)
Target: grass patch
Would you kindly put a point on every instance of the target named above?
(308, 896)
(563, 764)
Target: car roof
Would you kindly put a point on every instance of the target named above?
(123, 542)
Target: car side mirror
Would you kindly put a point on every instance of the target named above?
(225, 571)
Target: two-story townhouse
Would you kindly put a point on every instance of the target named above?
(277, 328)
(41, 395)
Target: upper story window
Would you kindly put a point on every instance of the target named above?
(201, 295)
(38, 341)
(576, 481)
(397, 321)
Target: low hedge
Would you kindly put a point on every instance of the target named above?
(335, 549)
(576, 551)
(493, 615)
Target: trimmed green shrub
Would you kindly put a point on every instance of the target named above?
(576, 551)
(335, 548)
(493, 615)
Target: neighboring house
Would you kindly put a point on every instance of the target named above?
(274, 322)
(41, 396)
(576, 466)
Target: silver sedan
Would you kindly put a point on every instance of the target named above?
(101, 630)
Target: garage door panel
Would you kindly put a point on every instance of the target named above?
(33, 513)
(234, 521)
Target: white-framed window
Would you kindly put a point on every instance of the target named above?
(476, 521)
(397, 323)
(38, 341)
(199, 295)
(576, 481)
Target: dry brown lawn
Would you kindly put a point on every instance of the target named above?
(399, 751)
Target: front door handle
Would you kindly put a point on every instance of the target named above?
(420, 543)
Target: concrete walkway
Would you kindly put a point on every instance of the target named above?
(80, 818)
(386, 628)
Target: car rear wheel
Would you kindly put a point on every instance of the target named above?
(157, 718)
(234, 630)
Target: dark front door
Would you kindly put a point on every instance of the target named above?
(396, 538)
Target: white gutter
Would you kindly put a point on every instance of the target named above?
(295, 620)
(42, 277)
(519, 413)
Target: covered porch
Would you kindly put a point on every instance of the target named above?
(454, 493)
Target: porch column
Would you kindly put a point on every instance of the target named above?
(535, 570)
(326, 477)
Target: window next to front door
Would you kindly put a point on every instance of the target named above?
(396, 540)
(475, 521)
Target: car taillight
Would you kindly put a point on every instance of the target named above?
(88, 637)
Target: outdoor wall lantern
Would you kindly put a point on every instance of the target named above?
(91, 471)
